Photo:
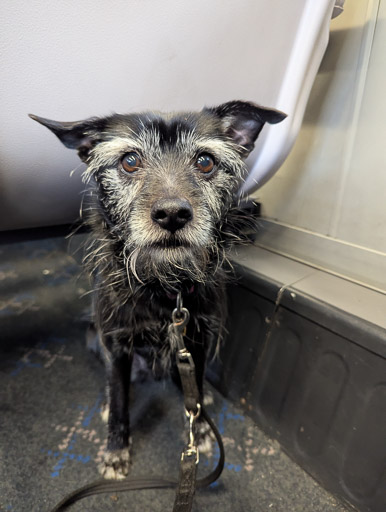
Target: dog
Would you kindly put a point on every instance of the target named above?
(163, 215)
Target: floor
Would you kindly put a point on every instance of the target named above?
(51, 390)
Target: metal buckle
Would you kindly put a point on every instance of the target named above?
(180, 318)
(192, 448)
(193, 416)
(189, 452)
(180, 315)
(184, 354)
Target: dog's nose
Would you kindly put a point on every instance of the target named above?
(172, 213)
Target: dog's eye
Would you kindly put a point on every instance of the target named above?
(205, 163)
(131, 162)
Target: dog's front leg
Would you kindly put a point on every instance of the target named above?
(118, 366)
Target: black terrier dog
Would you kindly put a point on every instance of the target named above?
(163, 215)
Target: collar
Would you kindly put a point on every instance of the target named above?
(187, 291)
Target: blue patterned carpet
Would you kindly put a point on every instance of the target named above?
(51, 390)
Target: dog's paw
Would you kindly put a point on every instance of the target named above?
(116, 464)
(208, 398)
(205, 438)
(105, 409)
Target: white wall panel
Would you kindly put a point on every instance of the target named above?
(329, 197)
(72, 59)
(361, 218)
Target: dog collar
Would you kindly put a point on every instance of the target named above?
(173, 296)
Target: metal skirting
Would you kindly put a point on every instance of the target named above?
(313, 376)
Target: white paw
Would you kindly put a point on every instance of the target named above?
(116, 465)
(208, 398)
(105, 413)
(205, 439)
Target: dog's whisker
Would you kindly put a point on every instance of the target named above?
(133, 261)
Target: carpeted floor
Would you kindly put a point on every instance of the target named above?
(51, 390)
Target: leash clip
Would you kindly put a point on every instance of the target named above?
(180, 319)
(180, 316)
(192, 447)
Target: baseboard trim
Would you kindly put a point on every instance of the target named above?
(364, 266)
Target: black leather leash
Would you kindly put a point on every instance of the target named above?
(187, 483)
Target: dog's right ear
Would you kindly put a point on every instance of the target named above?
(80, 135)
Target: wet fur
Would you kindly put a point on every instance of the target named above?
(137, 266)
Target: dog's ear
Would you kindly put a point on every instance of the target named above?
(242, 121)
(80, 135)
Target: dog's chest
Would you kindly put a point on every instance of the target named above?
(148, 322)
(151, 341)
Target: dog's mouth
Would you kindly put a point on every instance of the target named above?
(170, 243)
(171, 261)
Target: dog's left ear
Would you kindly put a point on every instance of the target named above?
(243, 121)
(80, 135)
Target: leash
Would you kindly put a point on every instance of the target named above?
(187, 483)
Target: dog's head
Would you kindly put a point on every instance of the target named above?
(166, 182)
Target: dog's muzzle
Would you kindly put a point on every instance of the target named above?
(172, 213)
